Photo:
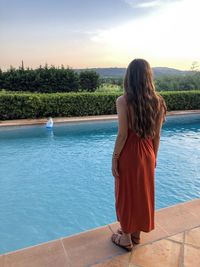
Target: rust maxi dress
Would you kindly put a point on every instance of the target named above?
(134, 189)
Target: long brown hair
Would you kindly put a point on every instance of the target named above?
(141, 95)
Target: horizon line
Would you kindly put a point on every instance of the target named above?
(57, 66)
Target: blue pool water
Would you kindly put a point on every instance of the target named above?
(55, 183)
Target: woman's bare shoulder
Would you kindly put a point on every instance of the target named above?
(121, 100)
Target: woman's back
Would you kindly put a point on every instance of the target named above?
(160, 118)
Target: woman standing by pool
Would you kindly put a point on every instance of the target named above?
(141, 113)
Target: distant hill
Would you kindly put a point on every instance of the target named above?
(163, 71)
(120, 72)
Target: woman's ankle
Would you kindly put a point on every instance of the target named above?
(136, 234)
(127, 235)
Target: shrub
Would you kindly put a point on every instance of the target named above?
(182, 100)
(37, 105)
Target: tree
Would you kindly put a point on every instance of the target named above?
(89, 80)
(195, 66)
(43, 79)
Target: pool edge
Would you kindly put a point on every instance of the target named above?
(24, 122)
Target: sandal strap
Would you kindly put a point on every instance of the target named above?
(119, 230)
(117, 239)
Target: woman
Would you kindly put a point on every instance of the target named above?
(141, 113)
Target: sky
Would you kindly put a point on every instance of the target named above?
(99, 33)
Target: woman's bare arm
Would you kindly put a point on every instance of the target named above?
(122, 126)
(156, 139)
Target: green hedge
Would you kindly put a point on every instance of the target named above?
(181, 100)
(33, 105)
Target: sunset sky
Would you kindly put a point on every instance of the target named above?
(99, 33)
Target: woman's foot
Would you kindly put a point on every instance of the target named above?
(135, 237)
(122, 240)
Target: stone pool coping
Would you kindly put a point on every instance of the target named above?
(175, 241)
(22, 122)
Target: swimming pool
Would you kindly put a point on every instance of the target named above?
(55, 183)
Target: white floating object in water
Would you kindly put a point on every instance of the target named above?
(49, 123)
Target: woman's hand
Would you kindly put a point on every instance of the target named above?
(115, 172)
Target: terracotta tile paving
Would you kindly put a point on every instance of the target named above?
(49, 254)
(2, 260)
(192, 237)
(118, 261)
(167, 254)
(191, 256)
(90, 247)
(178, 237)
(175, 241)
(177, 216)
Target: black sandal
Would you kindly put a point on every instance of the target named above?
(134, 239)
(116, 237)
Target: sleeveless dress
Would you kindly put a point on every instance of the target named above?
(134, 189)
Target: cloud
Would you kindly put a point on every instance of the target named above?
(149, 4)
(146, 4)
(171, 33)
